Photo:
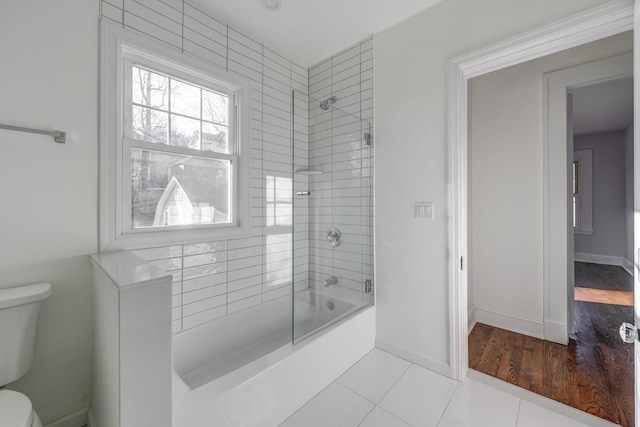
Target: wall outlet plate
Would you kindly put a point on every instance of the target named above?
(424, 210)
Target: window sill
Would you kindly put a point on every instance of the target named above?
(149, 239)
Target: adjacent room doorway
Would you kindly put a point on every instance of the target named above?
(604, 21)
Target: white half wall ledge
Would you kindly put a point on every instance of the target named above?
(132, 348)
(596, 23)
(425, 361)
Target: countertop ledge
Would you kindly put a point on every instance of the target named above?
(126, 269)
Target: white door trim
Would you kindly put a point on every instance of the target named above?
(599, 22)
(636, 190)
(558, 153)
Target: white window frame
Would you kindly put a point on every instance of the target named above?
(584, 198)
(120, 49)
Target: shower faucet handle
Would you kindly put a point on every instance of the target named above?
(334, 237)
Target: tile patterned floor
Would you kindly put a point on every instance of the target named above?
(382, 390)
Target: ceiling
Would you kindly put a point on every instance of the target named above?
(308, 31)
(603, 107)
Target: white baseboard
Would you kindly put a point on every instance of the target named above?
(598, 259)
(628, 266)
(471, 319)
(605, 259)
(427, 362)
(509, 322)
(91, 419)
(556, 332)
(76, 419)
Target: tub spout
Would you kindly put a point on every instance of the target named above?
(333, 280)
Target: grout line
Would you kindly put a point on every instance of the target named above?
(396, 381)
(449, 402)
(370, 411)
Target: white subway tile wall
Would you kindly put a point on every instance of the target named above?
(213, 279)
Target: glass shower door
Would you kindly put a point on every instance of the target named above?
(333, 214)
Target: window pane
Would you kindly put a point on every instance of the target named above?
(215, 138)
(149, 125)
(169, 189)
(283, 189)
(185, 132)
(283, 215)
(215, 107)
(185, 99)
(278, 201)
(149, 89)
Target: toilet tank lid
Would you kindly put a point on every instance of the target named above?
(15, 409)
(10, 297)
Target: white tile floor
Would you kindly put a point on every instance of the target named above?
(382, 390)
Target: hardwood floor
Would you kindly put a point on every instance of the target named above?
(602, 296)
(594, 373)
(599, 276)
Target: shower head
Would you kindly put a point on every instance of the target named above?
(328, 102)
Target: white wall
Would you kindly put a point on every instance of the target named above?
(506, 227)
(609, 236)
(49, 80)
(410, 104)
(628, 195)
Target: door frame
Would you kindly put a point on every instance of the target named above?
(558, 153)
(593, 24)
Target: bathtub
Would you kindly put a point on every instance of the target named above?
(214, 358)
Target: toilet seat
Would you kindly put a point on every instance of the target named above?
(15, 409)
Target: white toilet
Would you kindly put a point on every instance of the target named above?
(19, 308)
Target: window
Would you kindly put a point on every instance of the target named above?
(174, 131)
(581, 178)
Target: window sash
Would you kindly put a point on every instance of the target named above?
(131, 61)
(129, 144)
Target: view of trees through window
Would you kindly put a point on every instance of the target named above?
(170, 188)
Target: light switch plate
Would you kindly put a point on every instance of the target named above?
(424, 210)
